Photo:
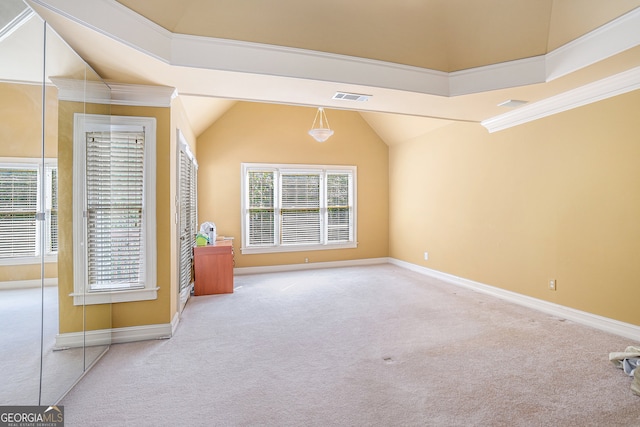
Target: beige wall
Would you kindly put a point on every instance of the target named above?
(557, 198)
(21, 111)
(262, 133)
(72, 317)
(101, 316)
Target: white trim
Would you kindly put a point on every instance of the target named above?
(93, 92)
(34, 260)
(141, 95)
(41, 165)
(520, 72)
(617, 84)
(26, 284)
(239, 271)
(256, 58)
(603, 42)
(116, 335)
(98, 92)
(174, 324)
(114, 20)
(16, 23)
(114, 297)
(612, 326)
(280, 169)
(91, 122)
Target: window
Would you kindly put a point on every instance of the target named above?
(187, 215)
(20, 201)
(114, 209)
(298, 207)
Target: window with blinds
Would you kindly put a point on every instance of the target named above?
(261, 209)
(115, 202)
(19, 203)
(298, 207)
(114, 209)
(52, 209)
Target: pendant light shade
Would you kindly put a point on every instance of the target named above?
(320, 133)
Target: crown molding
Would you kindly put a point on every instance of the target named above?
(93, 92)
(520, 72)
(257, 58)
(114, 20)
(603, 42)
(16, 23)
(97, 92)
(617, 84)
(141, 95)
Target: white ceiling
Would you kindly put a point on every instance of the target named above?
(425, 63)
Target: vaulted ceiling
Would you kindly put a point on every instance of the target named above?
(424, 62)
(444, 35)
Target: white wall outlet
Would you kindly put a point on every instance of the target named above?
(426, 256)
(552, 285)
(306, 260)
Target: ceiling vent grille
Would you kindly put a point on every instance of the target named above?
(512, 103)
(346, 96)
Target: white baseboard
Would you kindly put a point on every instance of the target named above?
(117, 335)
(308, 266)
(606, 324)
(26, 284)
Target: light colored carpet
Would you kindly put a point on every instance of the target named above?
(359, 346)
(24, 315)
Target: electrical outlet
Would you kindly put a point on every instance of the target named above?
(306, 260)
(552, 285)
(426, 256)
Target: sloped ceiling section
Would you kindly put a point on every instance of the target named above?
(437, 60)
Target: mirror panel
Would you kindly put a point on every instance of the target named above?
(21, 130)
(47, 342)
(74, 346)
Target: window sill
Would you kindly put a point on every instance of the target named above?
(28, 260)
(297, 248)
(114, 297)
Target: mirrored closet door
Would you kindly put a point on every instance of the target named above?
(48, 337)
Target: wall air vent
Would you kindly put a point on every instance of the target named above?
(346, 96)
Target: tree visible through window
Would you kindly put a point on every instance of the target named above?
(292, 207)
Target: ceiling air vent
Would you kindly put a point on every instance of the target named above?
(512, 103)
(346, 96)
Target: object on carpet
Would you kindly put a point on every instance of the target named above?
(635, 384)
(627, 360)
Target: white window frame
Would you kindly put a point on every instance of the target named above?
(36, 164)
(279, 169)
(84, 123)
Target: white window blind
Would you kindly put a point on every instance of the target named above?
(339, 207)
(298, 207)
(18, 207)
(115, 202)
(114, 209)
(188, 221)
(52, 208)
(261, 207)
(20, 197)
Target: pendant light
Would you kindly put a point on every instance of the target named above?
(320, 133)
